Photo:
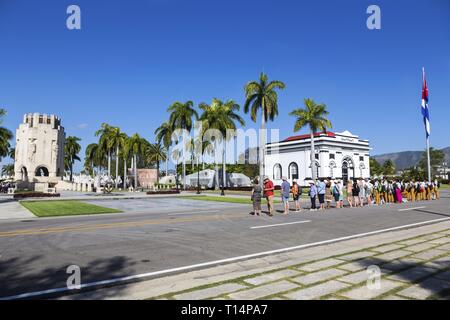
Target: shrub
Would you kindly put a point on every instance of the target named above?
(33, 194)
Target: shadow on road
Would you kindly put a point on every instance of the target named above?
(17, 277)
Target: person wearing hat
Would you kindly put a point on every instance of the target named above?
(285, 192)
(268, 193)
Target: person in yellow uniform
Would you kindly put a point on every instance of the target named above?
(437, 184)
(412, 191)
(377, 191)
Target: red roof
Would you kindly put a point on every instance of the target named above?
(307, 136)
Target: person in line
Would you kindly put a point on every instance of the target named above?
(362, 192)
(296, 193)
(350, 193)
(336, 194)
(312, 195)
(369, 191)
(321, 186)
(268, 193)
(398, 192)
(256, 197)
(355, 193)
(285, 192)
(377, 192)
(328, 195)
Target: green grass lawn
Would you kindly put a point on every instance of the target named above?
(64, 208)
(445, 186)
(225, 199)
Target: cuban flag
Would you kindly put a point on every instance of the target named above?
(425, 113)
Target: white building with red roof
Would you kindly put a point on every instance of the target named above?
(337, 155)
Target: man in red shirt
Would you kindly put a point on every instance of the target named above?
(268, 193)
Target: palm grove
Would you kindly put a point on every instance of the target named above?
(116, 151)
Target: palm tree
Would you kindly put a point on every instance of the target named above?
(313, 116)
(12, 153)
(164, 136)
(125, 147)
(262, 95)
(114, 141)
(8, 170)
(222, 117)
(103, 133)
(71, 150)
(136, 147)
(181, 115)
(5, 137)
(156, 153)
(92, 156)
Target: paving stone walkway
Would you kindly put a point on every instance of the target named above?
(413, 268)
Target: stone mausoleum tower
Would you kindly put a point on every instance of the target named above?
(39, 150)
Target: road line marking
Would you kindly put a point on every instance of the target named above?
(212, 263)
(410, 209)
(90, 227)
(279, 224)
(181, 213)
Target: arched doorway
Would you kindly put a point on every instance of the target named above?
(24, 173)
(293, 171)
(41, 172)
(332, 166)
(348, 170)
(277, 172)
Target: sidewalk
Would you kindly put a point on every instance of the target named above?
(414, 264)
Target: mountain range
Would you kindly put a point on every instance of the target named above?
(406, 159)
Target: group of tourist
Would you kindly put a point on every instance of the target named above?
(357, 192)
(4, 186)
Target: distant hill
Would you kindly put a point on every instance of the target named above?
(406, 159)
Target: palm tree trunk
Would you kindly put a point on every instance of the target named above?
(157, 172)
(262, 144)
(71, 170)
(184, 173)
(124, 173)
(216, 168)
(117, 165)
(224, 168)
(109, 163)
(135, 172)
(92, 167)
(167, 163)
(313, 158)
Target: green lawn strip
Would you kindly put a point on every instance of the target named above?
(64, 208)
(224, 199)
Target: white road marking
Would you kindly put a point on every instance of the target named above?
(192, 212)
(279, 224)
(410, 209)
(216, 262)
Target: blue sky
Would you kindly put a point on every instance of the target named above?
(132, 59)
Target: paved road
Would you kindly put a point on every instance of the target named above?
(171, 233)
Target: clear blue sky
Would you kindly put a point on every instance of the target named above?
(132, 59)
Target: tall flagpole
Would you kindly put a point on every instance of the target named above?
(428, 159)
(428, 135)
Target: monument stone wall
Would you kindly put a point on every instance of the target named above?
(39, 154)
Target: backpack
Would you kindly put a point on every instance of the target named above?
(335, 191)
